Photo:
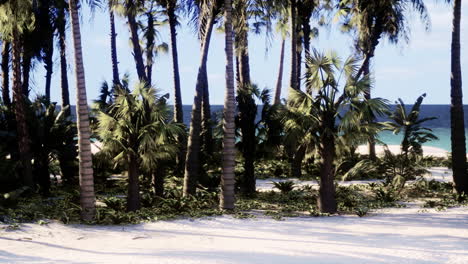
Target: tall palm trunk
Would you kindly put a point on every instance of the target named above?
(229, 151)
(26, 73)
(6, 73)
(178, 112)
(192, 163)
(306, 37)
(456, 110)
(63, 62)
(49, 64)
(87, 196)
(113, 40)
(20, 113)
(294, 76)
(206, 107)
(178, 107)
(246, 104)
(279, 82)
(137, 53)
(150, 47)
(299, 61)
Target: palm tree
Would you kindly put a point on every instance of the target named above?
(135, 131)
(293, 83)
(204, 14)
(113, 41)
(229, 151)
(459, 167)
(6, 73)
(178, 112)
(192, 162)
(16, 19)
(247, 109)
(131, 9)
(374, 20)
(87, 196)
(414, 135)
(170, 7)
(52, 135)
(318, 120)
(46, 26)
(62, 41)
(281, 28)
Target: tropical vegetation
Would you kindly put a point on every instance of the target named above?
(132, 157)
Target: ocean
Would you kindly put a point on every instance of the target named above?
(440, 126)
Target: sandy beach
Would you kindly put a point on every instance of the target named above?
(395, 149)
(395, 235)
(406, 235)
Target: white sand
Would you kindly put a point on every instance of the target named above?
(396, 149)
(396, 235)
(406, 235)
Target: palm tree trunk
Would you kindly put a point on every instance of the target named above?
(42, 174)
(133, 195)
(137, 53)
(294, 76)
(26, 73)
(456, 110)
(192, 163)
(246, 104)
(299, 61)
(229, 150)
(158, 181)
(87, 196)
(150, 48)
(63, 62)
(306, 38)
(206, 107)
(279, 82)
(327, 200)
(20, 113)
(113, 40)
(371, 141)
(178, 112)
(296, 162)
(178, 107)
(6, 73)
(49, 64)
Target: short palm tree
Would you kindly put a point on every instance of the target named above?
(136, 131)
(336, 106)
(410, 124)
(52, 134)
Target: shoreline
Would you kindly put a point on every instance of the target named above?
(395, 149)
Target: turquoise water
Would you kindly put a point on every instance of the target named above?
(442, 133)
(440, 126)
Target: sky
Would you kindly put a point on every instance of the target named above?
(405, 71)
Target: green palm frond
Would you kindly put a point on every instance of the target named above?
(137, 122)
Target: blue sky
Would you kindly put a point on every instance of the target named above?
(403, 71)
